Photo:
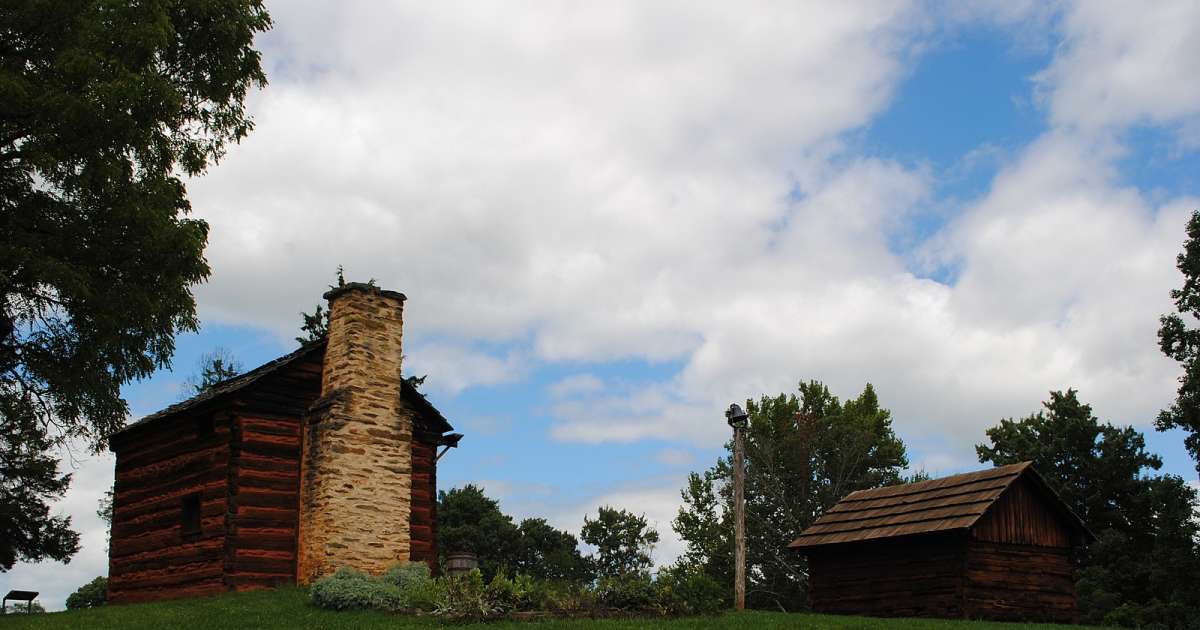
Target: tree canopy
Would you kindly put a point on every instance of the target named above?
(1144, 568)
(468, 520)
(624, 542)
(212, 368)
(104, 108)
(1181, 342)
(803, 454)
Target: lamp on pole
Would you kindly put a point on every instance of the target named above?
(738, 419)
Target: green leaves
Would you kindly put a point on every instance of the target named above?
(1182, 343)
(623, 542)
(104, 104)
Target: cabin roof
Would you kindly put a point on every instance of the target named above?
(937, 505)
(240, 382)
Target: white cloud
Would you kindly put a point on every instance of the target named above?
(674, 457)
(451, 368)
(1125, 63)
(576, 385)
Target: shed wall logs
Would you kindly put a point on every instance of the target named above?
(1019, 583)
(151, 555)
(889, 578)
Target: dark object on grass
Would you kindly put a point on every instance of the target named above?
(20, 596)
(992, 544)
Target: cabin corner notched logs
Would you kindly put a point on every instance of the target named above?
(990, 544)
(208, 492)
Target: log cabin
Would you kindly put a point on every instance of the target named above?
(991, 544)
(323, 458)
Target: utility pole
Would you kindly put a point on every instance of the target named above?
(737, 419)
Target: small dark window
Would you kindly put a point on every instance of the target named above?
(190, 519)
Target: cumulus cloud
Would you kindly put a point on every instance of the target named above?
(1121, 64)
(451, 367)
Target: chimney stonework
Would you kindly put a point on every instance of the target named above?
(356, 462)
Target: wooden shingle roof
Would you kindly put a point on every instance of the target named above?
(241, 382)
(937, 505)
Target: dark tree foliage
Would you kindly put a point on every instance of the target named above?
(624, 542)
(803, 454)
(315, 325)
(94, 594)
(1182, 343)
(104, 510)
(213, 367)
(470, 521)
(1144, 568)
(104, 106)
(546, 553)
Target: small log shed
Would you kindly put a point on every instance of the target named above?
(991, 544)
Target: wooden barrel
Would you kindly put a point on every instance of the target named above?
(461, 562)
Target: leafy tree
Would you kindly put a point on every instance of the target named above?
(546, 553)
(470, 521)
(1144, 568)
(316, 323)
(803, 454)
(1182, 342)
(213, 367)
(105, 511)
(624, 542)
(91, 595)
(104, 108)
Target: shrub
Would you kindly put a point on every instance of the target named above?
(562, 596)
(467, 598)
(348, 589)
(418, 589)
(408, 575)
(90, 595)
(633, 592)
(683, 590)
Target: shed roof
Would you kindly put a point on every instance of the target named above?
(938, 505)
(242, 381)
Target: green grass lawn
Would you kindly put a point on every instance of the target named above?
(288, 608)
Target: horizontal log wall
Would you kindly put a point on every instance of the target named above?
(1019, 583)
(423, 517)
(150, 556)
(908, 577)
(264, 503)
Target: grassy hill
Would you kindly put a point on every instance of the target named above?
(288, 608)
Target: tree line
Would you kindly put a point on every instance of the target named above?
(469, 520)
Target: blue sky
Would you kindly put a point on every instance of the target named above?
(611, 221)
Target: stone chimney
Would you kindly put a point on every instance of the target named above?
(356, 466)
